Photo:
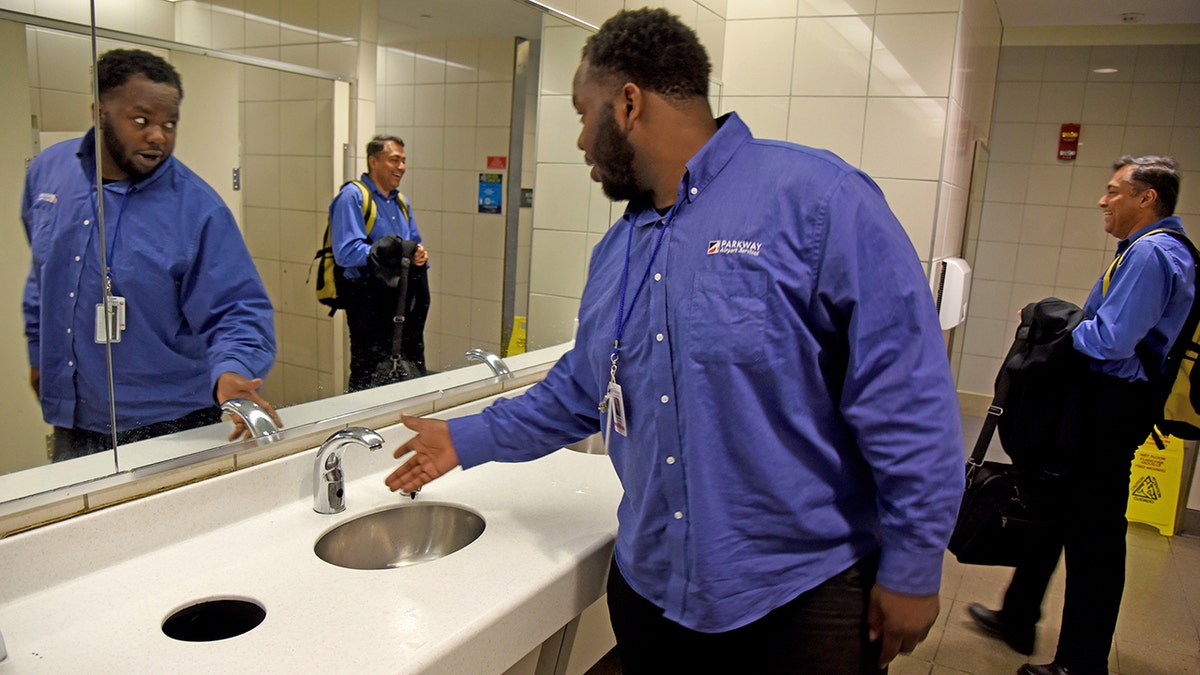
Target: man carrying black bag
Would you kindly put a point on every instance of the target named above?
(1132, 317)
(370, 288)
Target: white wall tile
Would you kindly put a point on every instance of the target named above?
(995, 260)
(1036, 264)
(1106, 102)
(1025, 293)
(835, 123)
(1001, 222)
(1048, 184)
(1185, 147)
(1007, 182)
(461, 105)
(986, 337)
(298, 184)
(1066, 64)
(562, 195)
(1146, 140)
(767, 116)
(1087, 184)
(496, 56)
(760, 9)
(1043, 225)
(912, 54)
(1017, 101)
(457, 229)
(487, 280)
(1022, 64)
(1159, 63)
(487, 236)
(462, 61)
(429, 104)
(558, 131)
(1079, 268)
(461, 191)
(551, 320)
(832, 56)
(460, 149)
(977, 374)
(558, 263)
(904, 137)
(748, 45)
(1084, 228)
(298, 128)
(1099, 144)
(1188, 105)
(907, 6)
(561, 49)
(1151, 104)
(835, 7)
(989, 299)
(1061, 102)
(710, 28)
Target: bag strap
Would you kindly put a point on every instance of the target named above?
(368, 205)
(1003, 385)
(401, 305)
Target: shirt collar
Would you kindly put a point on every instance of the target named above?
(1168, 223)
(366, 179)
(701, 169)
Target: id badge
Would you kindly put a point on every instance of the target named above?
(616, 406)
(109, 318)
(118, 302)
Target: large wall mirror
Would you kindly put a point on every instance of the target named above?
(280, 98)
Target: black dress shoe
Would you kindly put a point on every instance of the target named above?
(1055, 669)
(1017, 637)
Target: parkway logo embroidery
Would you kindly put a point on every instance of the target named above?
(48, 197)
(734, 247)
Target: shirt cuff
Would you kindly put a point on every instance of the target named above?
(910, 573)
(472, 440)
(228, 366)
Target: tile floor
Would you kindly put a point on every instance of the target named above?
(1158, 632)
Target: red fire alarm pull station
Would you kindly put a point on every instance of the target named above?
(1068, 142)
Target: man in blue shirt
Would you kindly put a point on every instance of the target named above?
(371, 303)
(771, 376)
(1129, 326)
(186, 315)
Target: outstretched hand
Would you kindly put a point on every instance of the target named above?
(901, 622)
(433, 455)
(232, 385)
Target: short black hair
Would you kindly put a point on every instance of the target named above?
(653, 49)
(1154, 171)
(375, 145)
(115, 67)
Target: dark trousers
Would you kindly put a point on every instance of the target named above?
(370, 313)
(1117, 418)
(71, 443)
(822, 631)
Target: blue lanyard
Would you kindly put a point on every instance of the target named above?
(622, 315)
(109, 247)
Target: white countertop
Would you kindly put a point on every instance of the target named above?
(90, 594)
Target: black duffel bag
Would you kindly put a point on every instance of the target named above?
(1006, 512)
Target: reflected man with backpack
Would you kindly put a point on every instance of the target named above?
(381, 270)
(1132, 318)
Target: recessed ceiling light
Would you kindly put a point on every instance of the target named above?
(1105, 71)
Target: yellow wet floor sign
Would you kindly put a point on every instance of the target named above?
(1154, 484)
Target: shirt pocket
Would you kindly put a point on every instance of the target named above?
(727, 317)
(41, 217)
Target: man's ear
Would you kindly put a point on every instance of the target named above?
(631, 102)
(1149, 197)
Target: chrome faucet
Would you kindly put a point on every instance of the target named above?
(497, 364)
(256, 419)
(329, 484)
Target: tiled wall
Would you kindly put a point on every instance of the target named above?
(287, 145)
(1041, 232)
(451, 102)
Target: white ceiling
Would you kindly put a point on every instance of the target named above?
(1019, 13)
(402, 21)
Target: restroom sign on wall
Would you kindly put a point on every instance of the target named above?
(1068, 142)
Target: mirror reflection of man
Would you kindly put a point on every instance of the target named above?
(372, 301)
(189, 322)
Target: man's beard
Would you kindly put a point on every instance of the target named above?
(118, 153)
(613, 157)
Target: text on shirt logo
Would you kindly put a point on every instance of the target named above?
(48, 197)
(734, 247)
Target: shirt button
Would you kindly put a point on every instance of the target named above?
(87, 222)
(657, 276)
(679, 515)
(71, 294)
(665, 398)
(694, 191)
(71, 363)
(68, 331)
(76, 258)
(670, 460)
(659, 337)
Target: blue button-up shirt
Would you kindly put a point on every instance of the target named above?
(348, 232)
(789, 401)
(1148, 300)
(195, 305)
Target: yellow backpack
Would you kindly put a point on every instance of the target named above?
(329, 273)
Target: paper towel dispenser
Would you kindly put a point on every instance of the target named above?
(952, 289)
